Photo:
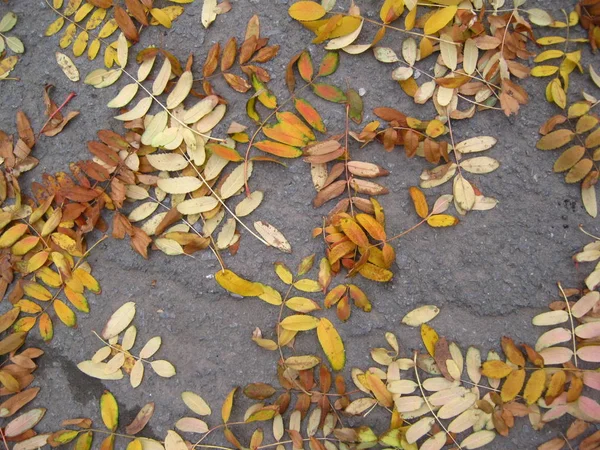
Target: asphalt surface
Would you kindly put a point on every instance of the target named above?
(489, 275)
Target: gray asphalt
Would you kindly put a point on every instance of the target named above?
(489, 275)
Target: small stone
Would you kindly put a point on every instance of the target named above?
(362, 91)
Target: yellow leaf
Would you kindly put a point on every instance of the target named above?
(46, 327)
(543, 71)
(440, 19)
(419, 201)
(227, 406)
(535, 386)
(109, 409)
(306, 10)
(298, 322)
(55, 27)
(12, 235)
(307, 285)
(513, 385)
(161, 17)
(36, 291)
(429, 337)
(381, 393)
(496, 369)
(302, 362)
(237, 285)
(64, 313)
(391, 10)
(354, 232)
(551, 40)
(332, 344)
(284, 273)
(442, 220)
(88, 281)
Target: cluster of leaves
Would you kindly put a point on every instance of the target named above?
(121, 359)
(40, 243)
(82, 433)
(112, 17)
(8, 63)
(579, 160)
(418, 138)
(458, 34)
(557, 88)
(589, 11)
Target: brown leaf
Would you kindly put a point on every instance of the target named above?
(141, 419)
(140, 241)
(24, 129)
(136, 9)
(126, 24)
(212, 60)
(229, 53)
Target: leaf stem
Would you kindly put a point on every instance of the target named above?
(572, 323)
(429, 404)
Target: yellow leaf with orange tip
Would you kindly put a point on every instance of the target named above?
(439, 19)
(340, 250)
(442, 220)
(46, 327)
(306, 10)
(309, 114)
(24, 324)
(77, 300)
(24, 245)
(109, 410)
(278, 149)
(237, 285)
(419, 201)
(354, 232)
(496, 369)
(332, 344)
(383, 396)
(12, 235)
(513, 385)
(429, 337)
(535, 386)
(64, 313)
(227, 406)
(66, 243)
(36, 261)
(391, 10)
